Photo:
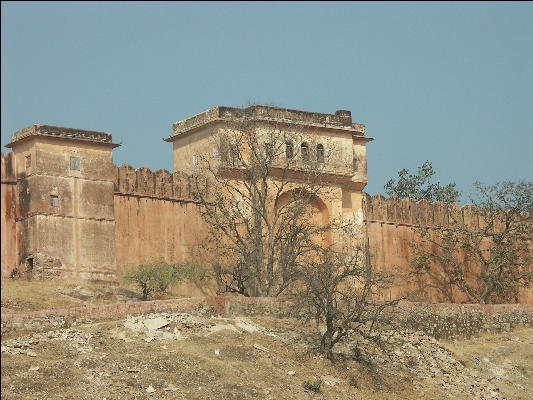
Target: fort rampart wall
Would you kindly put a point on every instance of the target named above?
(156, 217)
(10, 250)
(391, 227)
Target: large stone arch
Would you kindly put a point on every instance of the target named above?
(319, 209)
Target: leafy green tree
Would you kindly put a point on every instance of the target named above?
(419, 186)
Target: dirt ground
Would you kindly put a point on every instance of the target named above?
(202, 356)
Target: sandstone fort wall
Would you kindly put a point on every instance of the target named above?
(391, 231)
(155, 216)
(10, 250)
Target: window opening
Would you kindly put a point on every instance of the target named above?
(289, 150)
(320, 153)
(305, 152)
(54, 200)
(75, 163)
(269, 150)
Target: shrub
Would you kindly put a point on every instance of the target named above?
(159, 276)
(191, 271)
(313, 386)
(152, 277)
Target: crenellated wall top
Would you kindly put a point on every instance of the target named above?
(341, 120)
(377, 208)
(146, 183)
(61, 132)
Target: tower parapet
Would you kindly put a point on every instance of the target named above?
(61, 132)
(341, 120)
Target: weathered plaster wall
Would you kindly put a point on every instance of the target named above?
(390, 227)
(155, 217)
(63, 215)
(9, 252)
(340, 149)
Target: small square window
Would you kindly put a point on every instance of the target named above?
(28, 161)
(75, 163)
(54, 200)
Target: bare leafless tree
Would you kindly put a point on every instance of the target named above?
(261, 199)
(345, 294)
(489, 257)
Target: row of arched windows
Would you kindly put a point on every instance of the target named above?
(304, 151)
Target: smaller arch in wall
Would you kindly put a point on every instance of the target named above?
(319, 210)
(320, 154)
(304, 149)
(289, 150)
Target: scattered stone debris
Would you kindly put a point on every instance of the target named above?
(150, 389)
(171, 388)
(156, 323)
(259, 347)
(425, 358)
(330, 380)
(414, 357)
(77, 340)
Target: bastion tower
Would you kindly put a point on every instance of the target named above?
(65, 223)
(310, 138)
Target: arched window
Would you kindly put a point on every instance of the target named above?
(289, 150)
(305, 152)
(269, 150)
(224, 150)
(320, 153)
(354, 162)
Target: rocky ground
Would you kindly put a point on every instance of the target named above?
(22, 295)
(202, 356)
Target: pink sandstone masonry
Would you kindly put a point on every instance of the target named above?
(411, 213)
(9, 204)
(391, 229)
(155, 216)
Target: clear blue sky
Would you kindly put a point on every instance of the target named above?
(447, 82)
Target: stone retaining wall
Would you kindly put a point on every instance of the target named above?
(438, 320)
(450, 321)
